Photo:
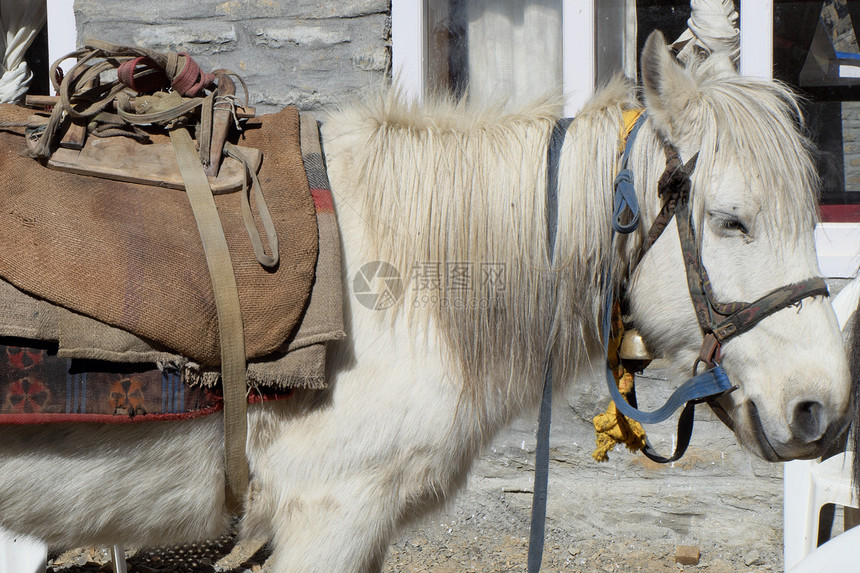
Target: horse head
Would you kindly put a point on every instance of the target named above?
(752, 212)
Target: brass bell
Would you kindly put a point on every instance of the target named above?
(633, 347)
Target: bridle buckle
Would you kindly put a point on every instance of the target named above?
(710, 351)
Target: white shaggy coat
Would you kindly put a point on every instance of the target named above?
(417, 390)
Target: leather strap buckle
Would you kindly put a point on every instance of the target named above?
(710, 352)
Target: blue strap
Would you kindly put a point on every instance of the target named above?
(553, 156)
(625, 201)
(539, 492)
(632, 137)
(710, 383)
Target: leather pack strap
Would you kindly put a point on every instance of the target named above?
(230, 329)
(268, 260)
(83, 96)
(164, 115)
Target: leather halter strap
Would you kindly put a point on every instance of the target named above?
(718, 321)
(713, 382)
(722, 321)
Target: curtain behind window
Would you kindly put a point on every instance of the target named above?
(514, 48)
(495, 49)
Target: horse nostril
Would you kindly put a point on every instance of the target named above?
(807, 420)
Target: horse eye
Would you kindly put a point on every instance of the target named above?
(734, 224)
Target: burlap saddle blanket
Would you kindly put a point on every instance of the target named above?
(110, 271)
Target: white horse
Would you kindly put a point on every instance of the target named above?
(420, 387)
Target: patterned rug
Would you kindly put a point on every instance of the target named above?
(37, 387)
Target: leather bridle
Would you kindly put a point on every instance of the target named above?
(718, 321)
(721, 321)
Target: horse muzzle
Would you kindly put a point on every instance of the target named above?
(806, 430)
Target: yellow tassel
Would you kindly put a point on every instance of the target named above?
(612, 427)
(629, 117)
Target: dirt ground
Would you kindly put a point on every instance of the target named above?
(446, 549)
(626, 514)
(456, 541)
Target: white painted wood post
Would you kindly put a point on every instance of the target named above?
(21, 554)
(408, 57)
(62, 32)
(756, 18)
(579, 63)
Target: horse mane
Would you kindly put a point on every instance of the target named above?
(758, 124)
(447, 185)
(450, 186)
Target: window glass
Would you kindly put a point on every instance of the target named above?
(37, 61)
(616, 39)
(668, 17)
(494, 49)
(816, 52)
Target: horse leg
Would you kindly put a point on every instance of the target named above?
(315, 492)
(347, 524)
(341, 480)
(324, 531)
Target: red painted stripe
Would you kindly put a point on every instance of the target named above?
(21, 419)
(840, 213)
(322, 200)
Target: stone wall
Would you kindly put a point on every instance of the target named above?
(307, 53)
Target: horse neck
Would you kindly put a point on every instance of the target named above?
(435, 197)
(586, 256)
(476, 196)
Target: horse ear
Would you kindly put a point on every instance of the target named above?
(670, 91)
